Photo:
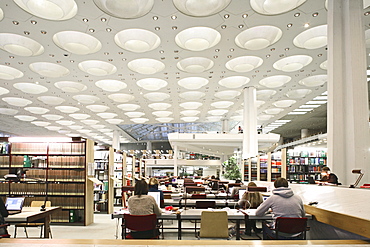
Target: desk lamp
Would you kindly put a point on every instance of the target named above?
(357, 171)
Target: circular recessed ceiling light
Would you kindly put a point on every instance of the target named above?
(157, 96)
(189, 119)
(244, 64)
(121, 97)
(162, 113)
(134, 114)
(9, 73)
(86, 99)
(107, 115)
(190, 113)
(97, 68)
(200, 8)
(139, 120)
(53, 117)
(49, 9)
(195, 64)
(324, 65)
(65, 122)
(234, 81)
(312, 38)
(137, 40)
(49, 69)
(214, 118)
(79, 116)
(128, 107)
(222, 104)
(146, 66)
(227, 95)
(275, 81)
(51, 100)
(114, 121)
(8, 111)
(268, 7)
(164, 119)
(125, 9)
(3, 91)
(17, 101)
(70, 86)
(198, 38)
(265, 94)
(314, 81)
(273, 111)
(40, 123)
(284, 103)
(292, 63)
(159, 106)
(258, 38)
(20, 45)
(31, 88)
(191, 105)
(97, 108)
(77, 42)
(192, 95)
(151, 84)
(264, 117)
(111, 85)
(193, 82)
(37, 110)
(67, 109)
(90, 121)
(298, 93)
(217, 112)
(25, 118)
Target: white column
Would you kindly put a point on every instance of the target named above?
(225, 126)
(116, 141)
(304, 133)
(175, 157)
(348, 128)
(250, 141)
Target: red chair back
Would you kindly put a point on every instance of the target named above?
(291, 225)
(140, 222)
(205, 204)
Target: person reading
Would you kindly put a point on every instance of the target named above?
(328, 178)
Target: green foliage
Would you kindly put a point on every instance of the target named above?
(232, 170)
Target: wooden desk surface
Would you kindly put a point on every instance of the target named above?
(30, 214)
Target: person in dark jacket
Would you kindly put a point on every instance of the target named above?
(328, 178)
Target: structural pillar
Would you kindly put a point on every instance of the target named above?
(175, 158)
(348, 109)
(116, 140)
(225, 126)
(250, 141)
(304, 133)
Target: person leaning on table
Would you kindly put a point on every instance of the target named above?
(282, 203)
(328, 178)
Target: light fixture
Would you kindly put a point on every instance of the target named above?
(79, 116)
(189, 119)
(267, 7)
(1, 14)
(314, 81)
(164, 119)
(51, 100)
(273, 111)
(195, 64)
(125, 9)
(98, 126)
(191, 105)
(284, 103)
(264, 117)
(134, 114)
(17, 101)
(70, 86)
(159, 106)
(137, 40)
(40, 123)
(200, 8)
(139, 120)
(193, 82)
(65, 122)
(76, 127)
(192, 95)
(9, 73)
(190, 113)
(86, 99)
(146, 66)
(67, 109)
(312, 38)
(128, 107)
(275, 81)
(25, 118)
(151, 84)
(56, 10)
(37, 110)
(97, 68)
(227, 94)
(298, 93)
(162, 113)
(292, 63)
(52, 117)
(20, 45)
(90, 121)
(258, 38)
(157, 96)
(265, 94)
(324, 65)
(30, 88)
(8, 111)
(111, 85)
(244, 64)
(234, 81)
(121, 97)
(197, 38)
(77, 42)
(222, 104)
(106, 114)
(97, 108)
(3, 91)
(217, 112)
(114, 121)
(49, 69)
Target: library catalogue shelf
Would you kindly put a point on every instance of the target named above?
(53, 171)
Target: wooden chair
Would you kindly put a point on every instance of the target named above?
(140, 226)
(36, 223)
(214, 224)
(294, 228)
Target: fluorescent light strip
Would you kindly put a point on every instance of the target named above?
(297, 113)
(316, 102)
(308, 109)
(309, 106)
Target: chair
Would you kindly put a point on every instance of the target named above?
(36, 223)
(198, 196)
(214, 224)
(205, 204)
(140, 226)
(287, 228)
(4, 231)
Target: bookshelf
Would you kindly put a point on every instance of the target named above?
(128, 170)
(247, 164)
(119, 160)
(55, 171)
(254, 169)
(263, 166)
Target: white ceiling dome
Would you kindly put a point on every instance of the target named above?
(127, 9)
(51, 100)
(97, 68)
(111, 85)
(275, 81)
(137, 40)
(234, 81)
(292, 63)
(244, 64)
(200, 8)
(20, 45)
(312, 38)
(146, 66)
(273, 7)
(9, 73)
(195, 64)
(151, 84)
(198, 38)
(193, 83)
(258, 38)
(49, 69)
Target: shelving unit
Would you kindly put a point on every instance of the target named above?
(128, 170)
(254, 168)
(275, 168)
(263, 166)
(247, 170)
(119, 160)
(54, 171)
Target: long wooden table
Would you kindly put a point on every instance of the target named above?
(30, 214)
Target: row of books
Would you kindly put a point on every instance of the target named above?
(4, 161)
(66, 162)
(42, 148)
(57, 175)
(101, 155)
(307, 153)
(4, 148)
(101, 165)
(307, 161)
(68, 216)
(40, 188)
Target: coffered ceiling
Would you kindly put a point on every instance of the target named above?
(144, 67)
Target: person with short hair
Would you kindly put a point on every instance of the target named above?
(153, 187)
(328, 178)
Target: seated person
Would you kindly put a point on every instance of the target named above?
(235, 191)
(142, 204)
(282, 203)
(153, 187)
(328, 178)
